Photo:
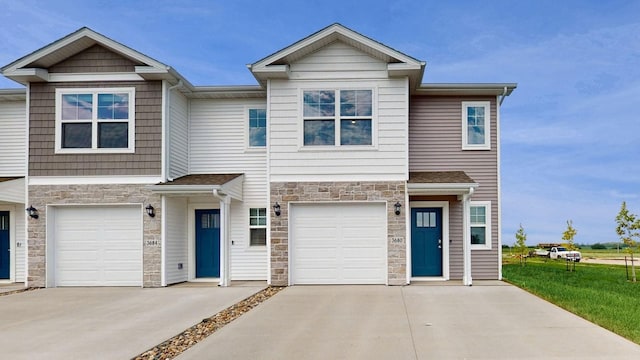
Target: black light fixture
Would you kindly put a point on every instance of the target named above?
(150, 210)
(397, 207)
(276, 209)
(33, 212)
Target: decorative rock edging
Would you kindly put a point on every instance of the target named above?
(18, 291)
(193, 335)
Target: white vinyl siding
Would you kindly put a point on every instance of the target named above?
(13, 121)
(434, 145)
(219, 127)
(96, 246)
(21, 242)
(347, 68)
(176, 240)
(178, 147)
(338, 243)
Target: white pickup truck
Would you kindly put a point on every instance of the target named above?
(562, 253)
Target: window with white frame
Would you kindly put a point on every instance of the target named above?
(95, 120)
(476, 125)
(480, 223)
(257, 227)
(337, 117)
(257, 128)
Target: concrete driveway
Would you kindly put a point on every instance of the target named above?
(105, 323)
(495, 321)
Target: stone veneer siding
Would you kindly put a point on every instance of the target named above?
(42, 195)
(389, 191)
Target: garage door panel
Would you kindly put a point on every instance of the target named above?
(339, 243)
(98, 246)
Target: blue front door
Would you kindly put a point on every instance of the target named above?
(426, 242)
(208, 243)
(4, 245)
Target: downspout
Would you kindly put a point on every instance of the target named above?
(225, 209)
(466, 239)
(168, 130)
(504, 95)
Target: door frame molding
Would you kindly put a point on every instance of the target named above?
(444, 205)
(12, 243)
(191, 236)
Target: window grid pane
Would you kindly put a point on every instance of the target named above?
(319, 103)
(112, 135)
(76, 135)
(258, 237)
(319, 132)
(257, 127)
(475, 125)
(478, 235)
(355, 132)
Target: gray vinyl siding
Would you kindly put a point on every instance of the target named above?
(13, 122)
(178, 151)
(435, 144)
(43, 161)
(94, 59)
(176, 243)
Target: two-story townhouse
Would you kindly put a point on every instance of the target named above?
(338, 168)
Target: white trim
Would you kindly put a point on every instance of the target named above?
(268, 176)
(26, 187)
(487, 125)
(247, 128)
(164, 112)
(87, 77)
(163, 240)
(337, 146)
(95, 121)
(191, 239)
(95, 180)
(12, 209)
(487, 224)
(444, 205)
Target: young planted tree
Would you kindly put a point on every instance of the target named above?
(629, 231)
(569, 234)
(521, 244)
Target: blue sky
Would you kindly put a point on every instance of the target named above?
(570, 132)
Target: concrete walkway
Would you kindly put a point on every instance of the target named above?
(495, 321)
(105, 323)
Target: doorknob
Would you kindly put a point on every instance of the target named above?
(439, 241)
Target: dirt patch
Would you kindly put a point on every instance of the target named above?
(609, 261)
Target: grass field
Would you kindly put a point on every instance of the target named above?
(598, 293)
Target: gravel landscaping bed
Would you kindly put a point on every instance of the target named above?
(186, 339)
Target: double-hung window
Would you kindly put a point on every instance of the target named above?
(257, 227)
(338, 117)
(257, 128)
(480, 223)
(476, 125)
(95, 120)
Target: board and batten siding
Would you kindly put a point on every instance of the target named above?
(43, 161)
(435, 144)
(178, 122)
(13, 145)
(338, 66)
(176, 242)
(218, 131)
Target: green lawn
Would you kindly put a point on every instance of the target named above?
(598, 293)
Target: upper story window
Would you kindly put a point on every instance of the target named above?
(480, 222)
(95, 120)
(257, 127)
(338, 117)
(476, 125)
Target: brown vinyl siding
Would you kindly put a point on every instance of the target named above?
(92, 60)
(43, 161)
(435, 144)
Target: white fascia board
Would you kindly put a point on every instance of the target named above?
(440, 189)
(94, 180)
(24, 76)
(183, 189)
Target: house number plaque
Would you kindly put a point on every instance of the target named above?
(397, 240)
(151, 243)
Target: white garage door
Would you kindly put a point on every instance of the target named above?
(339, 244)
(98, 246)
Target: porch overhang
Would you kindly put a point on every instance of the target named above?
(223, 184)
(12, 189)
(440, 183)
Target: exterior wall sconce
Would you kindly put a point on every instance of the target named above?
(33, 212)
(276, 209)
(397, 207)
(150, 210)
